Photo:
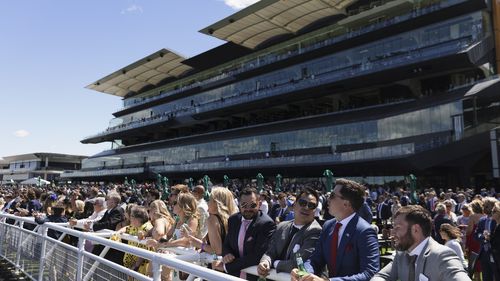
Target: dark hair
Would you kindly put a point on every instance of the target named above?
(249, 191)
(281, 195)
(139, 213)
(58, 209)
(450, 230)
(155, 194)
(352, 191)
(308, 191)
(416, 214)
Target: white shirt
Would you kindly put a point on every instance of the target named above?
(344, 223)
(203, 211)
(457, 248)
(93, 218)
(264, 207)
(419, 249)
(317, 212)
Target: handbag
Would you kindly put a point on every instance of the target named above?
(473, 257)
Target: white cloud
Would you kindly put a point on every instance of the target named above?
(132, 9)
(21, 133)
(239, 4)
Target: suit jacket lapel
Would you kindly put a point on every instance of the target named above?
(237, 233)
(421, 260)
(349, 232)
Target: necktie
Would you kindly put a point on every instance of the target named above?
(411, 267)
(333, 248)
(284, 252)
(241, 241)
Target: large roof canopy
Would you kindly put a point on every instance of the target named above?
(270, 18)
(147, 72)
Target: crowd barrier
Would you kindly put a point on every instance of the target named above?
(27, 246)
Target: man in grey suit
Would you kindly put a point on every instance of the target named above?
(299, 235)
(418, 256)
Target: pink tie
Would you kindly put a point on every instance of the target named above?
(241, 241)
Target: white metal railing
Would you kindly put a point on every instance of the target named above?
(41, 257)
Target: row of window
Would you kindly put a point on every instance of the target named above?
(425, 121)
(337, 34)
(382, 54)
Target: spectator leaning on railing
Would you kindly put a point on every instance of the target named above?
(249, 233)
(291, 237)
(348, 245)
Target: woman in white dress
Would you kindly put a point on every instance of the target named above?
(452, 235)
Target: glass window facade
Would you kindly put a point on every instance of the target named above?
(317, 39)
(425, 121)
(424, 43)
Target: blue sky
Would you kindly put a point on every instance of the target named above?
(51, 49)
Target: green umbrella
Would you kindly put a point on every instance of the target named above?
(329, 180)
(260, 182)
(226, 181)
(166, 190)
(206, 181)
(413, 188)
(278, 183)
(191, 183)
(158, 182)
(132, 185)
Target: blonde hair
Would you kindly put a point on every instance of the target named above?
(79, 206)
(224, 200)
(160, 209)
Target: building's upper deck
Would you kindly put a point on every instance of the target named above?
(459, 38)
(361, 27)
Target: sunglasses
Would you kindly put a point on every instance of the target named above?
(248, 205)
(174, 203)
(172, 194)
(334, 195)
(304, 203)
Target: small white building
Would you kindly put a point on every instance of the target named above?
(47, 166)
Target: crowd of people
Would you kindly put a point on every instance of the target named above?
(302, 230)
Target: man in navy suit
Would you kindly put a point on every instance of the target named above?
(485, 227)
(248, 236)
(348, 245)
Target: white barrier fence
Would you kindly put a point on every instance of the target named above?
(27, 246)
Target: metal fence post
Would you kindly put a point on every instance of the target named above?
(79, 264)
(19, 245)
(42, 252)
(156, 270)
(2, 236)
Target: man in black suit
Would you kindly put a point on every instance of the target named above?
(248, 236)
(112, 216)
(299, 235)
(110, 220)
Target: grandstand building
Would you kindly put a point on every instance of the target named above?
(46, 166)
(371, 89)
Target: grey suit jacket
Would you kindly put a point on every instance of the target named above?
(436, 262)
(305, 238)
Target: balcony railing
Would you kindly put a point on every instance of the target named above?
(306, 45)
(317, 79)
(103, 172)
